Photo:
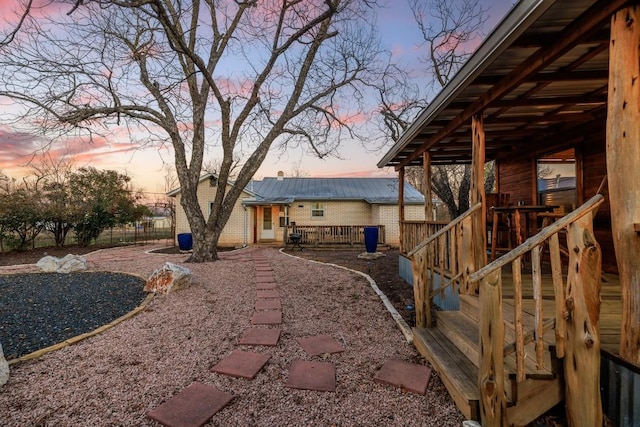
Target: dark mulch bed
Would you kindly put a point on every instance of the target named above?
(42, 309)
(32, 256)
(384, 270)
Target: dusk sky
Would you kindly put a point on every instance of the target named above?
(146, 165)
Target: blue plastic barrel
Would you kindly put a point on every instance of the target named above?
(185, 241)
(371, 239)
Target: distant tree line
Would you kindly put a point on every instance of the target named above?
(85, 201)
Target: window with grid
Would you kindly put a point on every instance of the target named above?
(317, 210)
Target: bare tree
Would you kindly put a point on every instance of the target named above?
(241, 75)
(449, 29)
(22, 14)
(297, 171)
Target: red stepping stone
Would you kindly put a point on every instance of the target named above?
(265, 275)
(409, 376)
(319, 376)
(263, 267)
(321, 344)
(260, 336)
(267, 293)
(241, 364)
(268, 304)
(271, 317)
(192, 407)
(266, 285)
(265, 279)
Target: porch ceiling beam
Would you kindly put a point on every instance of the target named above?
(541, 40)
(599, 99)
(523, 120)
(582, 27)
(498, 133)
(564, 76)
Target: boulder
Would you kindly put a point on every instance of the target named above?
(67, 264)
(168, 278)
(48, 264)
(4, 369)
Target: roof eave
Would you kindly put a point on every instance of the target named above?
(512, 26)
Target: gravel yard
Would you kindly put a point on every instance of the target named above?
(118, 376)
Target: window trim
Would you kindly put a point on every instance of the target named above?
(317, 210)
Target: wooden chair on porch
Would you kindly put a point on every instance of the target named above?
(498, 230)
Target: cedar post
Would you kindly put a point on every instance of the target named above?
(477, 192)
(426, 187)
(623, 153)
(582, 313)
(403, 249)
(493, 405)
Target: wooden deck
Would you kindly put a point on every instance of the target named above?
(451, 346)
(610, 307)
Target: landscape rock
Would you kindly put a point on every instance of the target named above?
(371, 255)
(4, 368)
(168, 278)
(48, 263)
(67, 264)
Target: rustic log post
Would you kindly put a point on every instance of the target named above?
(477, 193)
(582, 313)
(426, 187)
(623, 153)
(421, 301)
(403, 248)
(493, 403)
(558, 292)
(465, 252)
(516, 269)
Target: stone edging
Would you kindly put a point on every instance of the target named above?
(404, 327)
(74, 340)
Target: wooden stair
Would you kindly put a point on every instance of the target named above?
(452, 349)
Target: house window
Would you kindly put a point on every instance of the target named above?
(284, 220)
(317, 210)
(213, 181)
(557, 180)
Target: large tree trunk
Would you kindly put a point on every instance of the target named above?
(204, 246)
(623, 153)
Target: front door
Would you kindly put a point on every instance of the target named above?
(267, 224)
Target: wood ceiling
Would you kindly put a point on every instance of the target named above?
(546, 90)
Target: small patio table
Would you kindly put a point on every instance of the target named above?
(514, 214)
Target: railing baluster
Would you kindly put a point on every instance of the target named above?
(516, 268)
(558, 291)
(453, 259)
(419, 267)
(536, 276)
(431, 275)
(442, 260)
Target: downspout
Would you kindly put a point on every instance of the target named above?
(246, 222)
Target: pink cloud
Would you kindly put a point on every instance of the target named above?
(12, 11)
(16, 148)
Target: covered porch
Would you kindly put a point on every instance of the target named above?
(550, 99)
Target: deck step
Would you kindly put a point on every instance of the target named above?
(525, 401)
(459, 376)
(463, 332)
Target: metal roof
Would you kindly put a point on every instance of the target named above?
(543, 71)
(372, 190)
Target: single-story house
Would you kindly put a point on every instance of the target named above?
(323, 210)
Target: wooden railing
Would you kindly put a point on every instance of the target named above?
(576, 311)
(446, 256)
(332, 234)
(414, 232)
